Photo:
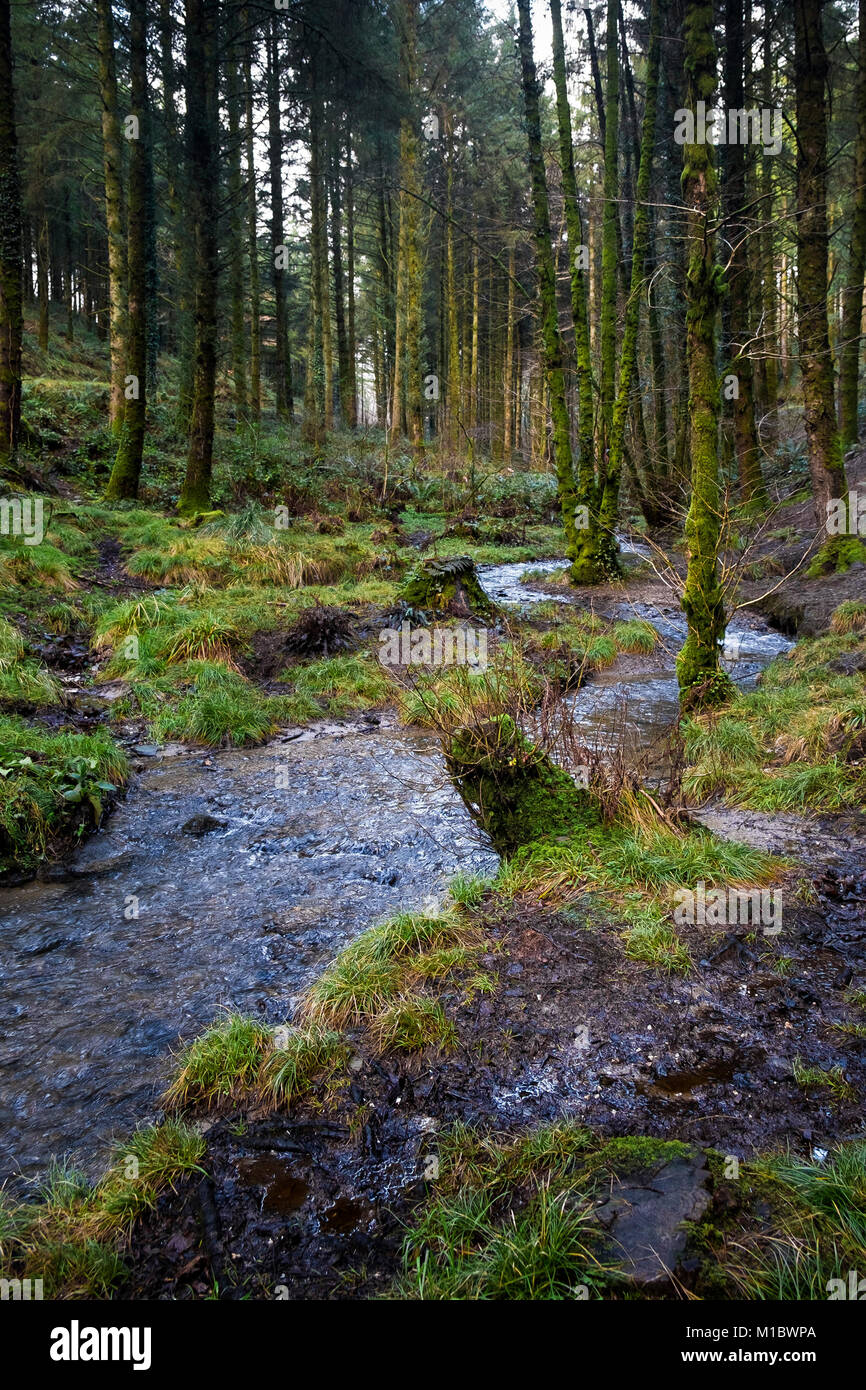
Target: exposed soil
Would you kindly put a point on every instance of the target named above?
(312, 1206)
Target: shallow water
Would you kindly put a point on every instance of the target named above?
(149, 931)
(643, 706)
(323, 835)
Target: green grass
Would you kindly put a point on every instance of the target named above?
(791, 744)
(635, 635)
(73, 1235)
(218, 708)
(52, 789)
(832, 1079)
(344, 682)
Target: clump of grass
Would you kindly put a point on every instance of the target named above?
(382, 981)
(223, 1063)
(133, 617)
(850, 616)
(218, 709)
(22, 682)
(413, 1023)
(833, 1079)
(653, 939)
(792, 743)
(468, 890)
(52, 789)
(809, 1232)
(302, 1056)
(40, 565)
(345, 682)
(635, 635)
(73, 1236)
(203, 637)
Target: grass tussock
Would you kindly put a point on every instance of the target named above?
(73, 1235)
(796, 743)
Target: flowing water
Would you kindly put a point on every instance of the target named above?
(227, 880)
(313, 839)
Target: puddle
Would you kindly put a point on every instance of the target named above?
(284, 1191)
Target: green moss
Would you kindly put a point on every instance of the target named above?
(440, 586)
(515, 791)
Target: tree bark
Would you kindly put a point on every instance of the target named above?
(551, 337)
(126, 472)
(816, 363)
(203, 186)
(114, 212)
(701, 679)
(11, 306)
(852, 317)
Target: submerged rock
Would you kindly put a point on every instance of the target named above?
(647, 1219)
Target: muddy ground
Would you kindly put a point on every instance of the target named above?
(314, 1204)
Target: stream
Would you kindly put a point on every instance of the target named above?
(229, 879)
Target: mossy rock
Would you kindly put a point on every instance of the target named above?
(447, 586)
(512, 788)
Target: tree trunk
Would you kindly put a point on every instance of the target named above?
(235, 228)
(551, 337)
(701, 679)
(609, 507)
(126, 472)
(816, 363)
(203, 185)
(852, 318)
(585, 568)
(745, 433)
(11, 309)
(252, 235)
(282, 388)
(114, 212)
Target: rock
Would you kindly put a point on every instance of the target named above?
(116, 690)
(645, 1218)
(202, 825)
(146, 750)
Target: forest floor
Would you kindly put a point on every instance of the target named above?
(548, 1086)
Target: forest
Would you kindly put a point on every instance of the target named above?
(433, 652)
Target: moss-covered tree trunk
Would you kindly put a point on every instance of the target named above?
(352, 379)
(585, 567)
(508, 404)
(816, 362)
(255, 398)
(452, 331)
(314, 427)
(746, 443)
(11, 309)
(609, 505)
(126, 472)
(203, 185)
(282, 388)
(336, 193)
(551, 338)
(112, 158)
(852, 318)
(236, 225)
(701, 679)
